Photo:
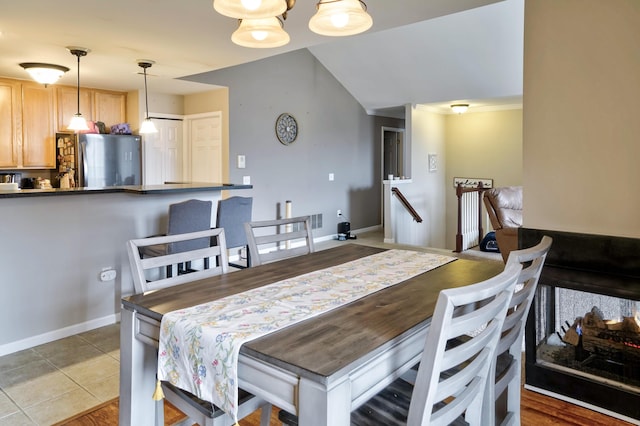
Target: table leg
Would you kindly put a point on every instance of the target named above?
(138, 365)
(322, 406)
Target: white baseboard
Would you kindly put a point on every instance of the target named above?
(61, 333)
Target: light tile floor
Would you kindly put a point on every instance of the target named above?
(52, 382)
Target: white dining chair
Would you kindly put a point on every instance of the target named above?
(270, 240)
(507, 374)
(452, 378)
(148, 274)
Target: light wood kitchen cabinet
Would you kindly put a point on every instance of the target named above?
(30, 115)
(95, 105)
(27, 117)
(9, 125)
(68, 105)
(110, 107)
(38, 126)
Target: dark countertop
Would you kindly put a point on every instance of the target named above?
(129, 189)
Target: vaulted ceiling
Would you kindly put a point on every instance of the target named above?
(418, 51)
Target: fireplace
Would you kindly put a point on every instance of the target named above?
(583, 331)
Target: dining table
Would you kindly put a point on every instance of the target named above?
(320, 368)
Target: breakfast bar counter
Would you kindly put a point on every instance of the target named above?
(58, 243)
(130, 189)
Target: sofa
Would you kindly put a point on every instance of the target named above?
(504, 207)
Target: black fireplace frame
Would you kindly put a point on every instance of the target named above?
(600, 264)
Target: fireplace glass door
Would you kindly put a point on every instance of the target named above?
(585, 346)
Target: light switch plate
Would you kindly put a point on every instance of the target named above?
(241, 162)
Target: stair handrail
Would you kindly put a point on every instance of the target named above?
(407, 205)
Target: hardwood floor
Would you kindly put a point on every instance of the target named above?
(536, 410)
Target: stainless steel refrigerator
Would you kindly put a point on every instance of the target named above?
(109, 160)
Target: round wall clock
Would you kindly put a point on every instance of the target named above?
(286, 128)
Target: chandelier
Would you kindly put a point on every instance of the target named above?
(261, 22)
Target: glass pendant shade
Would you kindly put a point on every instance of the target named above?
(44, 73)
(340, 18)
(147, 126)
(78, 123)
(250, 9)
(260, 33)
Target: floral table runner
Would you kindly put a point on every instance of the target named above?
(199, 346)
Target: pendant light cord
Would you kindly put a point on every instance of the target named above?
(78, 94)
(146, 95)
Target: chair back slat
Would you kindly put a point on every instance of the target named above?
(149, 273)
(270, 240)
(511, 341)
(439, 401)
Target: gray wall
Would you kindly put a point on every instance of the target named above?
(335, 136)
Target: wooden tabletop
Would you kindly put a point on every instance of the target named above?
(323, 345)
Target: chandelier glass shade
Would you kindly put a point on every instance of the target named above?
(340, 18)
(78, 122)
(250, 9)
(260, 33)
(44, 73)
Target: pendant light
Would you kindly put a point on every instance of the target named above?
(147, 125)
(250, 9)
(261, 33)
(44, 73)
(78, 122)
(340, 18)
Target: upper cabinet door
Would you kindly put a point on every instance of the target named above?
(68, 105)
(9, 123)
(38, 126)
(110, 108)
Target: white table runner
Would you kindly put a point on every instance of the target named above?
(199, 346)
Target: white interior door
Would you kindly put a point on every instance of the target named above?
(205, 141)
(163, 159)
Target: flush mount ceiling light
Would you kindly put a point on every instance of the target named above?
(44, 73)
(333, 18)
(250, 9)
(260, 33)
(147, 125)
(459, 108)
(78, 122)
(340, 18)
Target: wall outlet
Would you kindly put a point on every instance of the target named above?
(331, 176)
(246, 180)
(339, 213)
(108, 274)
